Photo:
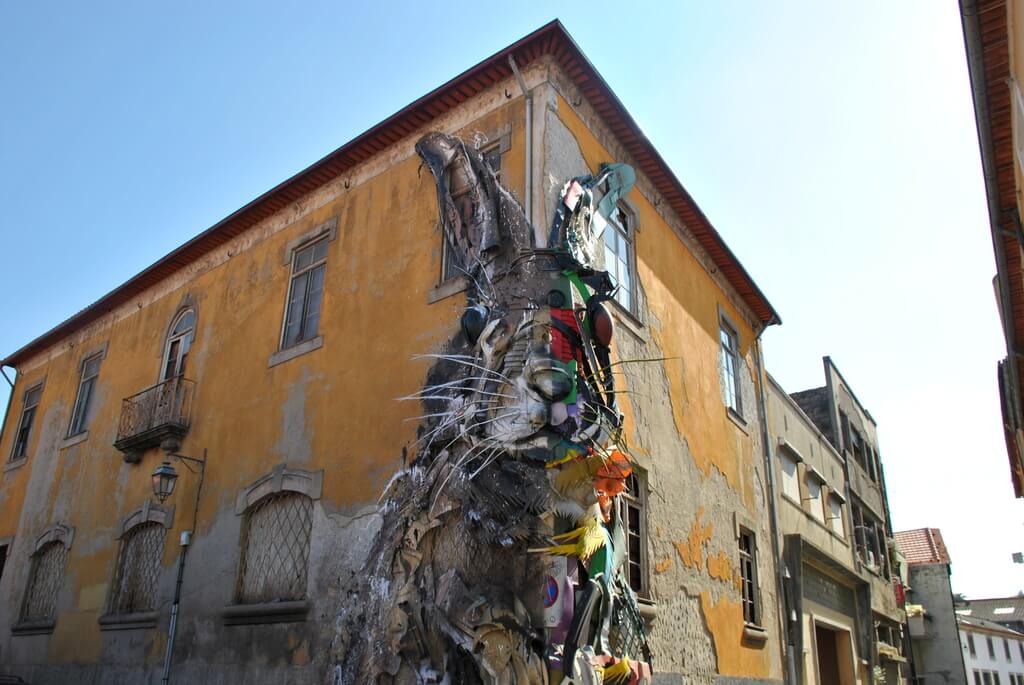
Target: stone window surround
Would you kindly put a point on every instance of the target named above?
(280, 479)
(327, 228)
(57, 532)
(148, 512)
(15, 463)
(95, 351)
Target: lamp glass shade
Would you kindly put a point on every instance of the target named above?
(163, 480)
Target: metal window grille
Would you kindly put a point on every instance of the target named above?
(747, 572)
(44, 583)
(275, 549)
(626, 636)
(138, 570)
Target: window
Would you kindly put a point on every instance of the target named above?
(3, 559)
(814, 496)
(728, 366)
(87, 382)
(618, 255)
(28, 413)
(305, 291)
(835, 515)
(970, 645)
(179, 342)
(1006, 648)
(1020, 646)
(45, 578)
(991, 648)
(138, 569)
(275, 548)
(986, 677)
(977, 678)
(635, 502)
(748, 573)
(790, 478)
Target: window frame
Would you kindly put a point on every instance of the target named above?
(310, 242)
(731, 331)
(991, 647)
(80, 412)
(628, 235)
(833, 518)
(239, 597)
(972, 649)
(638, 500)
(184, 338)
(815, 506)
(126, 538)
(26, 408)
(787, 457)
(748, 559)
(57, 534)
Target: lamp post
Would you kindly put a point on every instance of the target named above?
(163, 480)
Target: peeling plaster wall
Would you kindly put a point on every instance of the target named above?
(704, 469)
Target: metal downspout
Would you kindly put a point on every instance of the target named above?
(780, 587)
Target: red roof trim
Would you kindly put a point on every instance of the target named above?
(550, 39)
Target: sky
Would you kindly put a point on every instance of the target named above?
(833, 145)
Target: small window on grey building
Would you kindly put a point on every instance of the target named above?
(970, 646)
(1020, 646)
(275, 549)
(790, 476)
(138, 570)
(305, 293)
(728, 366)
(83, 400)
(977, 677)
(45, 578)
(991, 648)
(748, 574)
(30, 400)
(1006, 648)
(835, 515)
(986, 677)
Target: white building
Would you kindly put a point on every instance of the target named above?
(993, 654)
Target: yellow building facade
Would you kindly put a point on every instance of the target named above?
(275, 346)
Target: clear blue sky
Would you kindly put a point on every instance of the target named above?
(832, 145)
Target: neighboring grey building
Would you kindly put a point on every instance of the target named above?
(844, 621)
(851, 431)
(930, 612)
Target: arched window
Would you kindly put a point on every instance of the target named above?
(275, 548)
(45, 579)
(138, 569)
(179, 341)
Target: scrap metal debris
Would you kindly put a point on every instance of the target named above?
(502, 551)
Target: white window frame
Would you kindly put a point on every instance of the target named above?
(80, 413)
(627, 235)
(732, 388)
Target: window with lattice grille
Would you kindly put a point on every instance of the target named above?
(44, 582)
(138, 570)
(275, 549)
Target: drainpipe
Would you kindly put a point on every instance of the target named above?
(780, 586)
(528, 199)
(186, 540)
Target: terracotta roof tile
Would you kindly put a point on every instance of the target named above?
(922, 546)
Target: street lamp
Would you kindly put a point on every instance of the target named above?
(164, 479)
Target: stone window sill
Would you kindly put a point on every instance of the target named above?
(628, 319)
(736, 418)
(135, 621)
(755, 633)
(33, 627)
(289, 353)
(648, 609)
(74, 439)
(268, 612)
(452, 286)
(17, 463)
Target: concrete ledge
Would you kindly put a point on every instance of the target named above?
(755, 634)
(281, 356)
(74, 440)
(740, 422)
(135, 621)
(33, 627)
(269, 612)
(450, 287)
(11, 465)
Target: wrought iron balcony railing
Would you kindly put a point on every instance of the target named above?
(153, 415)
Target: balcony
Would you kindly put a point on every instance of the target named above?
(156, 414)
